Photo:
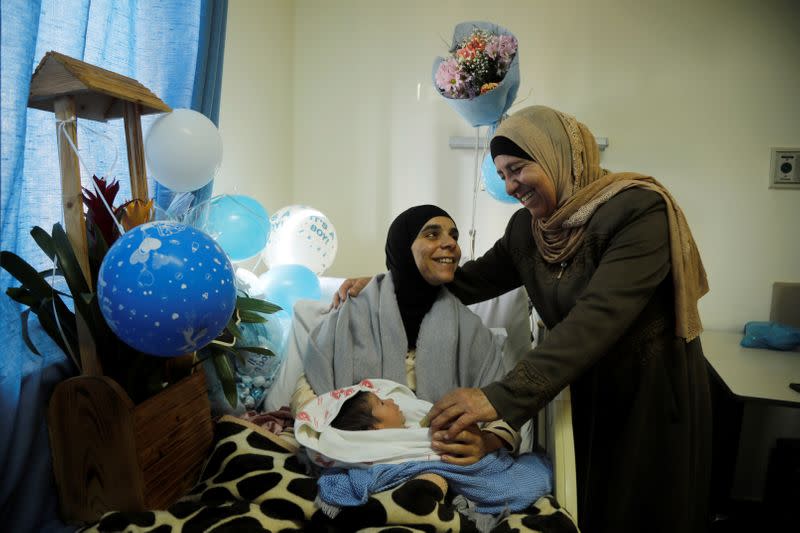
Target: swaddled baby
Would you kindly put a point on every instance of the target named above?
(331, 426)
(368, 438)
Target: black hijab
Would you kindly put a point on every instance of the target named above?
(415, 296)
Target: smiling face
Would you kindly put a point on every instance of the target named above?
(527, 182)
(436, 251)
(387, 412)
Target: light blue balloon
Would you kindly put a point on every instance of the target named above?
(166, 289)
(495, 186)
(239, 224)
(285, 284)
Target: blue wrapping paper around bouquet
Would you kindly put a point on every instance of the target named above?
(486, 109)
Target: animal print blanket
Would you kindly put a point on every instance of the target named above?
(253, 481)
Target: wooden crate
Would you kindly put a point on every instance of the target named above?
(109, 454)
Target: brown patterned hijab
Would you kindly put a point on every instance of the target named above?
(568, 153)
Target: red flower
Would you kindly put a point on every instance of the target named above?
(98, 218)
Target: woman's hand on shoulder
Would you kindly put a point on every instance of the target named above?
(349, 287)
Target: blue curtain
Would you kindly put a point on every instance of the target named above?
(173, 47)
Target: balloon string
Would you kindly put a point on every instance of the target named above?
(475, 188)
(62, 131)
(258, 261)
(485, 150)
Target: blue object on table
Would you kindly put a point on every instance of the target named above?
(770, 335)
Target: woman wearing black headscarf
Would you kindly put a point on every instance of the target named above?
(407, 327)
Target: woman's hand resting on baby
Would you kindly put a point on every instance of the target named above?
(467, 447)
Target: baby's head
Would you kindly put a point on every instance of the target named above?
(366, 411)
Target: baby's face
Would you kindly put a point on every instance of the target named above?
(387, 412)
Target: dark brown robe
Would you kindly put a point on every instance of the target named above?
(640, 395)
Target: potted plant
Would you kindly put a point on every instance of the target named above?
(135, 436)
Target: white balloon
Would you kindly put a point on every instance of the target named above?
(183, 150)
(301, 235)
(248, 282)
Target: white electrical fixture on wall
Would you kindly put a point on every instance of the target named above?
(784, 171)
(457, 143)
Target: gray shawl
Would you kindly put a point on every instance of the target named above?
(365, 338)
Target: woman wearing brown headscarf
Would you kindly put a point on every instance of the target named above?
(612, 270)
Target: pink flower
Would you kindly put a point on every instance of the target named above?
(448, 77)
(502, 48)
(507, 45)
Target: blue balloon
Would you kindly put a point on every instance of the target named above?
(166, 289)
(285, 284)
(239, 224)
(495, 186)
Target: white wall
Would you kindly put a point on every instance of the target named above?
(256, 117)
(320, 106)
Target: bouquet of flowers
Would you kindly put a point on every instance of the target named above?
(480, 78)
(477, 65)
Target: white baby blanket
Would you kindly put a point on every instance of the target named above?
(328, 446)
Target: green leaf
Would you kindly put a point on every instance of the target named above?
(256, 349)
(234, 329)
(250, 317)
(23, 296)
(25, 274)
(44, 240)
(25, 337)
(75, 281)
(68, 262)
(66, 319)
(232, 352)
(48, 273)
(225, 374)
(42, 299)
(244, 303)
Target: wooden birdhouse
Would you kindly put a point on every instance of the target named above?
(109, 454)
(73, 89)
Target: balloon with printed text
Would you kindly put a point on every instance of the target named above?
(301, 235)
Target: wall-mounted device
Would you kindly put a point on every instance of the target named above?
(784, 172)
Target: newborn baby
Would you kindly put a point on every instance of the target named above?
(372, 433)
(365, 410)
(331, 427)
